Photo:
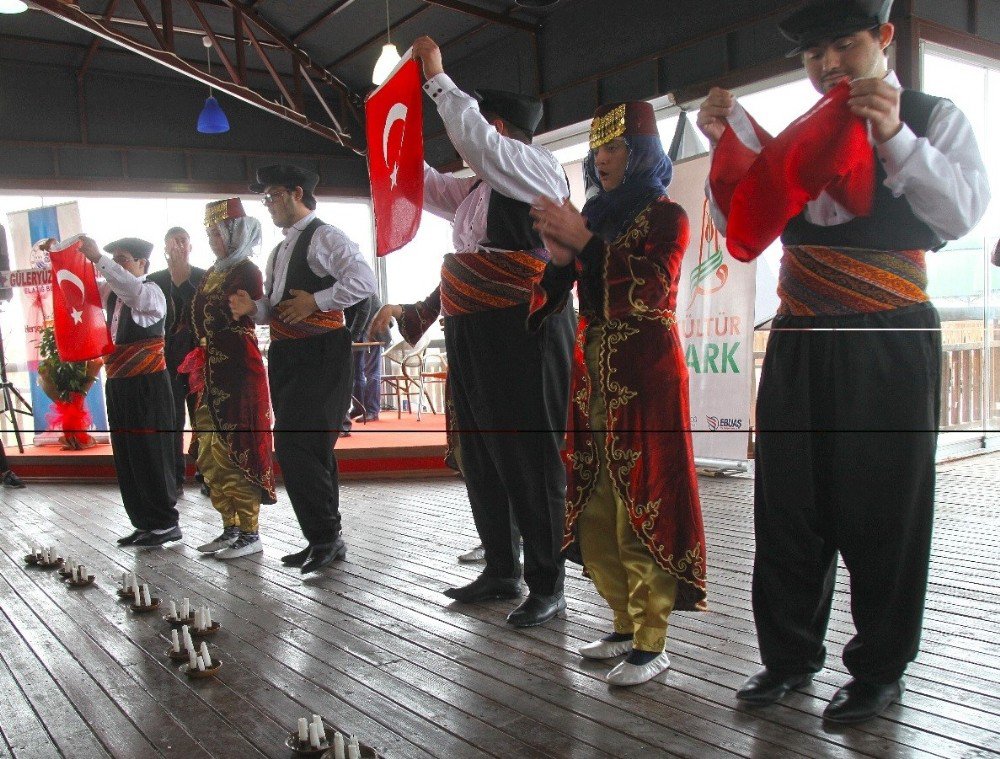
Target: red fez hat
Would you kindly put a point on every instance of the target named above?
(219, 211)
(633, 118)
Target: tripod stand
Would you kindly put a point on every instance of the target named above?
(12, 396)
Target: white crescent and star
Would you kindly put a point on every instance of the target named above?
(63, 275)
(396, 113)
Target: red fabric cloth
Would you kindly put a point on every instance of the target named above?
(235, 380)
(194, 366)
(733, 158)
(80, 327)
(73, 418)
(825, 149)
(645, 385)
(395, 131)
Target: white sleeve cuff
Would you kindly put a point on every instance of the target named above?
(894, 152)
(439, 85)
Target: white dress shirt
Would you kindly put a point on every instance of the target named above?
(942, 175)
(146, 299)
(512, 168)
(331, 253)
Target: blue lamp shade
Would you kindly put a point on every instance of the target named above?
(212, 120)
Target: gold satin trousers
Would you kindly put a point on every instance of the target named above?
(233, 495)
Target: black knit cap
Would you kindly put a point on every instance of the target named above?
(285, 175)
(132, 245)
(830, 19)
(523, 111)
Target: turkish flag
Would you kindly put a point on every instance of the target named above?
(826, 149)
(395, 130)
(81, 330)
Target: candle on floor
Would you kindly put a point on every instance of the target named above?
(197, 619)
(338, 745)
(69, 562)
(188, 643)
(313, 735)
(354, 749)
(204, 655)
(138, 598)
(173, 610)
(319, 727)
(201, 664)
(175, 643)
(185, 608)
(192, 658)
(146, 600)
(81, 572)
(133, 581)
(303, 730)
(124, 581)
(207, 619)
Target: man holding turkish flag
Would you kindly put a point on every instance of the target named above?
(80, 328)
(395, 130)
(849, 396)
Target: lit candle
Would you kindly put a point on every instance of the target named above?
(175, 644)
(319, 727)
(354, 748)
(146, 600)
(173, 610)
(185, 608)
(192, 658)
(138, 599)
(303, 730)
(338, 745)
(204, 655)
(207, 618)
(313, 735)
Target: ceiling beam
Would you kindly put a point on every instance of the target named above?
(496, 18)
(73, 15)
(376, 37)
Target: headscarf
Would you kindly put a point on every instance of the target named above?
(241, 237)
(647, 173)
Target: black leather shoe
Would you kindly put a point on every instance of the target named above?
(861, 700)
(485, 588)
(536, 610)
(159, 538)
(296, 559)
(130, 539)
(324, 555)
(766, 687)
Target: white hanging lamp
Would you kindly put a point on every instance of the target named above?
(390, 56)
(13, 6)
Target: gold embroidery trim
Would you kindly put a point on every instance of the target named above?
(605, 128)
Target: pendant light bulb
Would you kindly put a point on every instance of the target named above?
(385, 64)
(13, 6)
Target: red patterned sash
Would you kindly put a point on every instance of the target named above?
(488, 280)
(820, 280)
(132, 359)
(316, 323)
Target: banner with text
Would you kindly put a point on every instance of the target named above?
(29, 230)
(715, 304)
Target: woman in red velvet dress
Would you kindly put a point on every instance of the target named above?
(632, 510)
(233, 413)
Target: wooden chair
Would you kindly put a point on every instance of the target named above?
(405, 380)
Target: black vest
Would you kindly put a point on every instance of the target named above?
(508, 224)
(128, 330)
(299, 276)
(892, 224)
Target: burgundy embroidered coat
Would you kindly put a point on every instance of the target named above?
(628, 291)
(236, 390)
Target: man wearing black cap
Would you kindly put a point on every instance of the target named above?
(312, 276)
(140, 402)
(848, 405)
(179, 282)
(510, 388)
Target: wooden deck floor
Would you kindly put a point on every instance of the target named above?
(374, 648)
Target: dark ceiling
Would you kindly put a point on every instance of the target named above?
(118, 117)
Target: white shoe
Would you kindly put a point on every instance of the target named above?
(633, 674)
(247, 544)
(605, 649)
(229, 536)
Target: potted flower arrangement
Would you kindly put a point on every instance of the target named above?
(67, 383)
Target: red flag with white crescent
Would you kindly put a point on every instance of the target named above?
(81, 330)
(395, 130)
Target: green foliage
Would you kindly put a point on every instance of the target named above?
(66, 376)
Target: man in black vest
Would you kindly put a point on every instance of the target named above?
(311, 277)
(509, 387)
(140, 401)
(847, 409)
(179, 282)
